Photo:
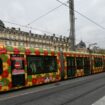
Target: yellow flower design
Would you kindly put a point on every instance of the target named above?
(5, 65)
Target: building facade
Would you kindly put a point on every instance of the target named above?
(81, 47)
(15, 37)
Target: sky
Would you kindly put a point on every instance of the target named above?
(25, 11)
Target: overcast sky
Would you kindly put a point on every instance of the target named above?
(24, 11)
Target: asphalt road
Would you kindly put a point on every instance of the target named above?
(79, 91)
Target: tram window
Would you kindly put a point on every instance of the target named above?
(70, 61)
(98, 62)
(86, 62)
(17, 59)
(50, 64)
(104, 63)
(21, 63)
(1, 66)
(79, 62)
(35, 64)
(41, 64)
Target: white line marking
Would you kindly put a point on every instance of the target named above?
(100, 101)
(9, 97)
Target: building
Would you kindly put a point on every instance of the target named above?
(81, 46)
(15, 37)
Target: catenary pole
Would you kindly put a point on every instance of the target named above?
(72, 25)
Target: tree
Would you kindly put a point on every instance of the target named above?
(1, 25)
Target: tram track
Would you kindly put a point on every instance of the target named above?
(48, 93)
(82, 95)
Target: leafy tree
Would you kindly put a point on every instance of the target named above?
(2, 24)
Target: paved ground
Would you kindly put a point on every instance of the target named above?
(80, 91)
(100, 101)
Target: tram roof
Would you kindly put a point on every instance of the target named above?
(22, 48)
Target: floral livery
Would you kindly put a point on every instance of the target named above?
(30, 80)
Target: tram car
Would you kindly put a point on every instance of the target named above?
(25, 67)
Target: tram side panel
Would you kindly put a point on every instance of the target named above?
(70, 67)
(34, 67)
(74, 65)
(103, 60)
(43, 73)
(77, 65)
(18, 70)
(87, 65)
(83, 65)
(42, 69)
(104, 63)
(13, 72)
(98, 64)
(62, 67)
(5, 73)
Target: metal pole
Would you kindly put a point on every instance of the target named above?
(72, 24)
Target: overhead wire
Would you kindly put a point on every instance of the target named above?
(82, 15)
(62, 3)
(27, 26)
(44, 14)
(33, 28)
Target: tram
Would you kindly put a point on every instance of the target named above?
(22, 67)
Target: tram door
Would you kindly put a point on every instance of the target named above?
(17, 68)
(103, 64)
(62, 65)
(87, 70)
(71, 68)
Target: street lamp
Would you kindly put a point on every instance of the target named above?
(95, 49)
(92, 44)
